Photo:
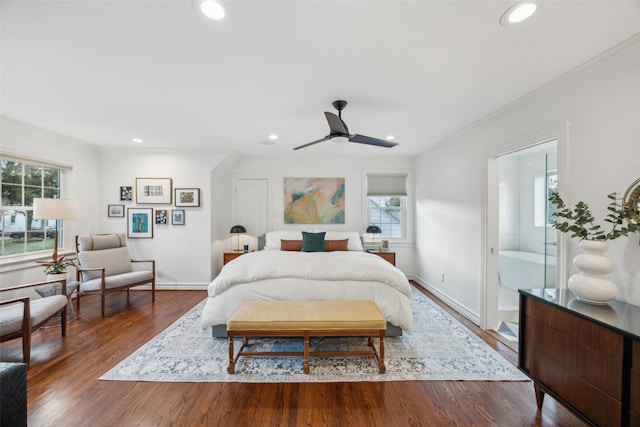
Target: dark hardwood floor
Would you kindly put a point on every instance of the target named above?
(63, 386)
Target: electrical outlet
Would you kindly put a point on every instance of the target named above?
(442, 277)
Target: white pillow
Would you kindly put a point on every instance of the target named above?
(272, 238)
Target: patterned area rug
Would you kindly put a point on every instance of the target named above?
(439, 348)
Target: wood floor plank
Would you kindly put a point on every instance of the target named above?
(63, 385)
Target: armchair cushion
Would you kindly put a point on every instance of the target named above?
(116, 281)
(95, 242)
(115, 261)
(41, 310)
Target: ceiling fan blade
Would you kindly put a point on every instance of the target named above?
(361, 139)
(336, 124)
(326, 138)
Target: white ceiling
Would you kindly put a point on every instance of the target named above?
(108, 71)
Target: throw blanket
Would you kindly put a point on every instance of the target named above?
(339, 265)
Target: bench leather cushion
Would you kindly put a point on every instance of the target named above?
(306, 315)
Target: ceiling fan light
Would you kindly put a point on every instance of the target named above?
(340, 139)
(212, 9)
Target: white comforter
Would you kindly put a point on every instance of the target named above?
(273, 275)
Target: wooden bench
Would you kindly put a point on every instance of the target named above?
(307, 319)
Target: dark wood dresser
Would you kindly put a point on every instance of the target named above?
(585, 356)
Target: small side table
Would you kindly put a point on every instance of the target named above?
(230, 256)
(56, 289)
(389, 256)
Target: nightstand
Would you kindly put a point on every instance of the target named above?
(230, 256)
(389, 256)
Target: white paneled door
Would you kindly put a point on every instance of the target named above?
(250, 205)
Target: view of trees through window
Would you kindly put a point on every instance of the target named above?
(387, 212)
(21, 183)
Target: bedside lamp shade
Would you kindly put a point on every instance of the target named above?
(238, 230)
(374, 229)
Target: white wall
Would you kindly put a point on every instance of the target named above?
(182, 252)
(352, 169)
(34, 143)
(602, 103)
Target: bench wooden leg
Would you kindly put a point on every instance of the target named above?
(232, 363)
(306, 352)
(383, 368)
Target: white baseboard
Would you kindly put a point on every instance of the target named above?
(464, 311)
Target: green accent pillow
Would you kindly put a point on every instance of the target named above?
(313, 242)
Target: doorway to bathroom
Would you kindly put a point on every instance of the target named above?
(527, 243)
(521, 249)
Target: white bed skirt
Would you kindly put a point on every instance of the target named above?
(394, 305)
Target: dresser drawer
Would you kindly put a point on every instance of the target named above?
(576, 359)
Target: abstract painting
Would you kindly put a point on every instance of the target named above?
(314, 200)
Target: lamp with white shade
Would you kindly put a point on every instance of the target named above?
(55, 209)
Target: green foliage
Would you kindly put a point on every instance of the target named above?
(580, 222)
(56, 265)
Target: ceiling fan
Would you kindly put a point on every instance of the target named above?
(339, 130)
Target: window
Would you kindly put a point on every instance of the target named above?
(21, 182)
(387, 201)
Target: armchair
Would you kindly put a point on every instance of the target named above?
(21, 316)
(104, 265)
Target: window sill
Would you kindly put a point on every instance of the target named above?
(25, 261)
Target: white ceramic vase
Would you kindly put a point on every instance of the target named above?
(56, 276)
(590, 285)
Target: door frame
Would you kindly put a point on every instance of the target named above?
(490, 237)
(235, 180)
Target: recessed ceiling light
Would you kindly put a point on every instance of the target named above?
(211, 9)
(273, 137)
(390, 137)
(518, 13)
(137, 140)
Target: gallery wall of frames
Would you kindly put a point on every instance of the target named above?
(153, 202)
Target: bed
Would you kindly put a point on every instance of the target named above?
(283, 272)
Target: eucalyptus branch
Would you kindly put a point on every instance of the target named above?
(580, 222)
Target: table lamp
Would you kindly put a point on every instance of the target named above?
(373, 230)
(238, 230)
(55, 209)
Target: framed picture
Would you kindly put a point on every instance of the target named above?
(161, 216)
(177, 217)
(115, 210)
(187, 197)
(140, 223)
(314, 200)
(153, 190)
(126, 194)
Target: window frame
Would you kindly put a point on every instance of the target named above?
(44, 190)
(406, 216)
(402, 220)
